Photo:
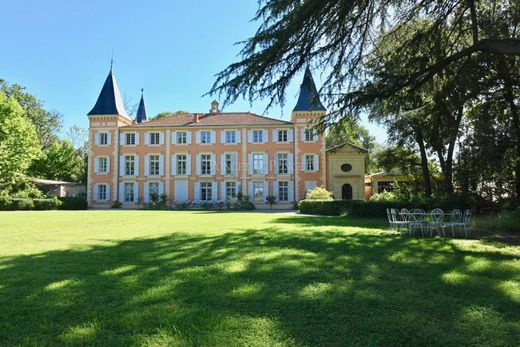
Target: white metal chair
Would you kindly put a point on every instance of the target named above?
(463, 223)
(397, 222)
(455, 220)
(435, 223)
(391, 222)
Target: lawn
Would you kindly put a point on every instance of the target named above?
(200, 278)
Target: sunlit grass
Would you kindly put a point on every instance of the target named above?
(155, 278)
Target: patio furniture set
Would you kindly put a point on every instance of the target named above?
(429, 223)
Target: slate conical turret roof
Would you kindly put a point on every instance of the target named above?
(309, 99)
(141, 111)
(109, 101)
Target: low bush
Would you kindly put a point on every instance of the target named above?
(508, 222)
(73, 203)
(318, 193)
(8, 203)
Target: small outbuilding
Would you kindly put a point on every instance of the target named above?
(61, 189)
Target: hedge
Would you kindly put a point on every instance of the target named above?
(15, 204)
(73, 203)
(377, 209)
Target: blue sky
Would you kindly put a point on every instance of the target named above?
(61, 51)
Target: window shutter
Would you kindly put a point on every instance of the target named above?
(121, 165)
(161, 138)
(275, 190)
(136, 139)
(121, 192)
(96, 138)
(161, 188)
(188, 137)
(275, 135)
(302, 132)
(250, 163)
(96, 192)
(290, 189)
(276, 161)
(108, 164)
(197, 137)
(290, 135)
(174, 137)
(188, 164)
(223, 193)
(108, 192)
(197, 191)
(197, 165)
(146, 197)
(146, 138)
(214, 193)
(265, 136)
(237, 136)
(136, 191)
(290, 164)
(161, 165)
(222, 164)
(239, 187)
(213, 137)
(147, 165)
(266, 163)
(136, 165)
(304, 163)
(266, 189)
(96, 165)
(222, 136)
(250, 136)
(315, 135)
(122, 139)
(174, 164)
(109, 141)
(234, 164)
(250, 190)
(213, 164)
(316, 162)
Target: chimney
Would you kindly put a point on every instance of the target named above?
(214, 107)
(196, 117)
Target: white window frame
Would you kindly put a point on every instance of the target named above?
(150, 190)
(286, 188)
(206, 191)
(154, 162)
(258, 187)
(258, 158)
(127, 166)
(309, 164)
(205, 170)
(231, 189)
(103, 135)
(228, 162)
(154, 139)
(130, 136)
(280, 161)
(203, 134)
(102, 168)
(105, 191)
(129, 192)
(182, 158)
(257, 136)
(184, 137)
(230, 134)
(281, 137)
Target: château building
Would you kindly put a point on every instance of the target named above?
(202, 157)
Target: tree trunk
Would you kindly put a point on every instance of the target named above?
(424, 163)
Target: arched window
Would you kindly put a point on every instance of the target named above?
(346, 192)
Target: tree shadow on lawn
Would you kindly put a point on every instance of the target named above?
(262, 287)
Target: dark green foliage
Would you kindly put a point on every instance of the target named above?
(116, 204)
(508, 222)
(271, 200)
(73, 203)
(24, 204)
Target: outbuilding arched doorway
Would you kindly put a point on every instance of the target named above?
(346, 192)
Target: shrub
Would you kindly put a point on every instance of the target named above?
(243, 203)
(325, 207)
(271, 200)
(183, 205)
(8, 203)
(319, 193)
(73, 203)
(508, 222)
(116, 204)
(47, 204)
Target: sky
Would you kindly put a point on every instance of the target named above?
(61, 51)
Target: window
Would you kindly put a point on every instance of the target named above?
(258, 164)
(154, 138)
(182, 138)
(102, 192)
(103, 139)
(282, 136)
(309, 162)
(258, 136)
(283, 191)
(129, 192)
(206, 191)
(103, 165)
(130, 139)
(181, 164)
(230, 137)
(283, 167)
(309, 135)
(385, 186)
(205, 164)
(228, 170)
(153, 190)
(231, 190)
(129, 165)
(346, 167)
(154, 165)
(205, 137)
(258, 191)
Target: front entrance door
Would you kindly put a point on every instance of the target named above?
(346, 192)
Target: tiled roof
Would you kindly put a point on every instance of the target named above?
(214, 119)
(308, 100)
(109, 101)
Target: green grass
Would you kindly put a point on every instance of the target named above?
(186, 278)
